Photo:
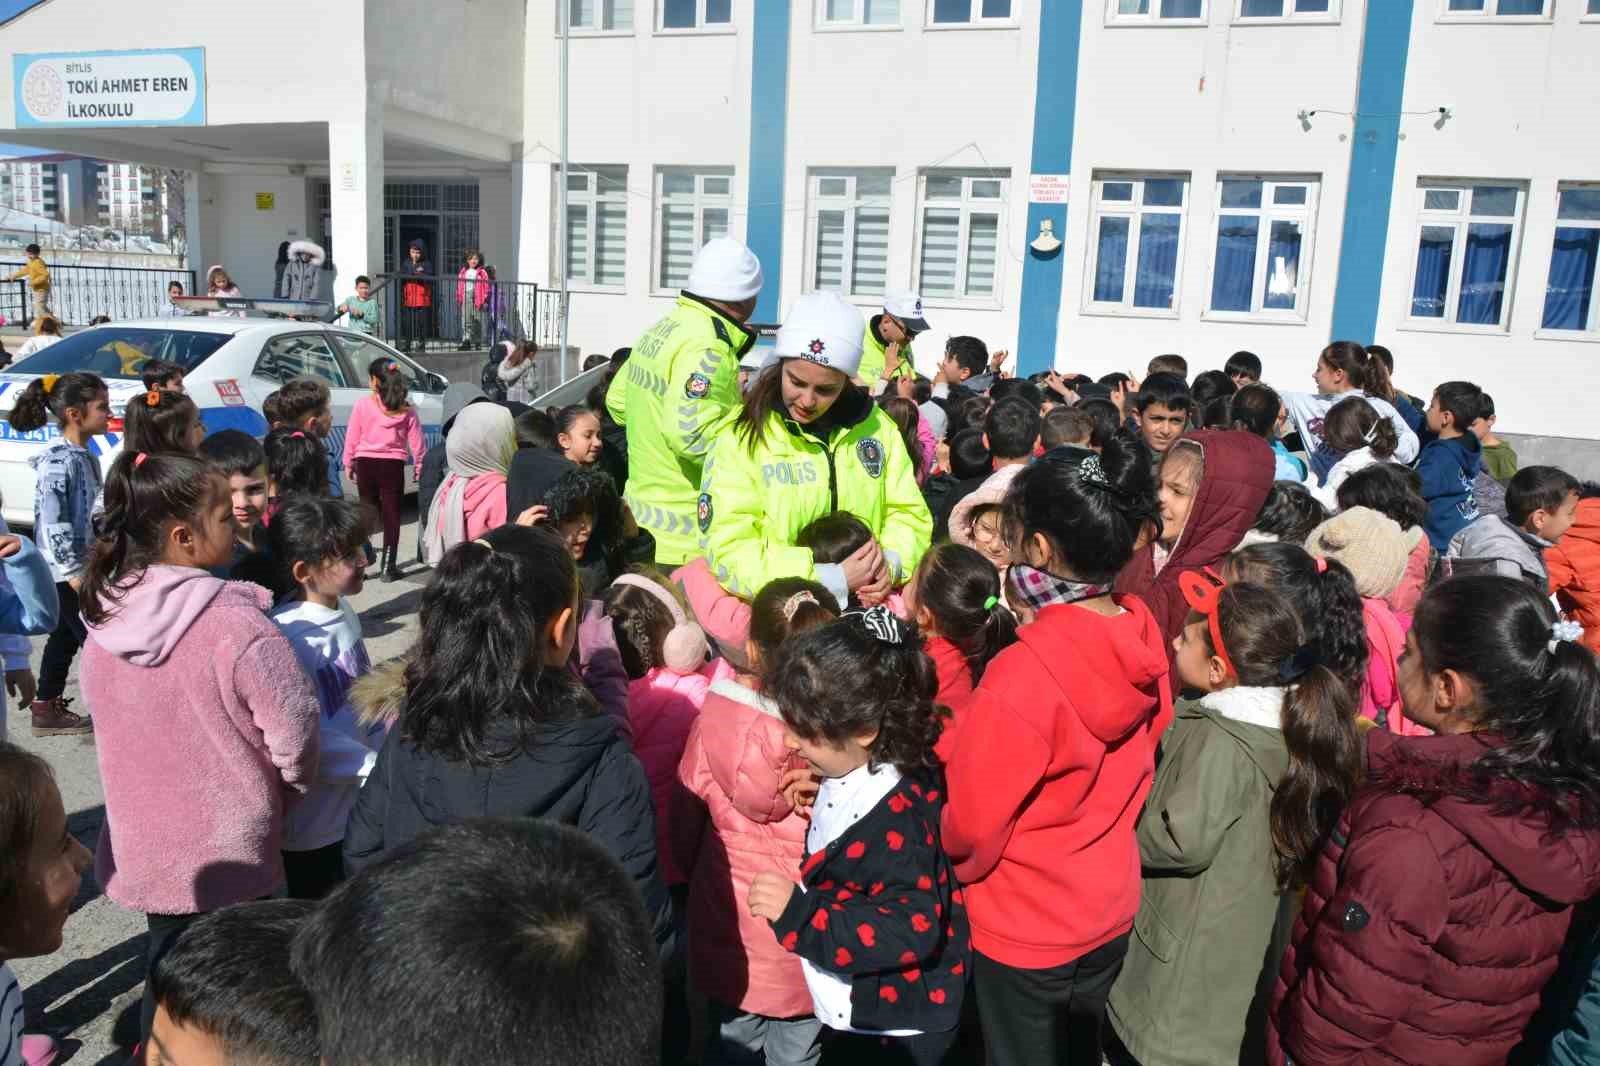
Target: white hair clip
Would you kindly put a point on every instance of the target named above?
(1564, 631)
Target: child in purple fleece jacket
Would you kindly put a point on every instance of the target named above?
(207, 724)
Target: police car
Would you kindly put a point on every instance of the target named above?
(230, 366)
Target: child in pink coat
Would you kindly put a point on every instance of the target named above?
(383, 429)
(733, 821)
(205, 721)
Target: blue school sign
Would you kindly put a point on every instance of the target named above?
(148, 87)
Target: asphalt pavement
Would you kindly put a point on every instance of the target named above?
(87, 994)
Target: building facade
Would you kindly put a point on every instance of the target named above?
(1083, 182)
(127, 197)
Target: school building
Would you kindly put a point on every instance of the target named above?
(1084, 182)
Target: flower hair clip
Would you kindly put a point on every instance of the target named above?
(1564, 631)
(152, 398)
(793, 604)
(881, 624)
(1091, 471)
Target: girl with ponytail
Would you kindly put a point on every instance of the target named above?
(1344, 369)
(1357, 437)
(1252, 775)
(66, 485)
(205, 722)
(162, 420)
(1438, 909)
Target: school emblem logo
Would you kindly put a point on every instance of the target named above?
(697, 387)
(870, 452)
(703, 511)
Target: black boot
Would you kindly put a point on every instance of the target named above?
(391, 565)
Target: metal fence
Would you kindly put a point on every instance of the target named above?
(79, 293)
(435, 313)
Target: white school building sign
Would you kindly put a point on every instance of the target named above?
(132, 88)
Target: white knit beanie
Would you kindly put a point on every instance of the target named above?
(822, 328)
(725, 270)
(1372, 546)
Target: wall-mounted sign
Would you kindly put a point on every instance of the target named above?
(266, 201)
(1048, 188)
(149, 87)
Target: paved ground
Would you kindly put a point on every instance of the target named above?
(87, 994)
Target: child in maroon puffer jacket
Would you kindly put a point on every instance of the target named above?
(1438, 909)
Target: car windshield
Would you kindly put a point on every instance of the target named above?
(116, 352)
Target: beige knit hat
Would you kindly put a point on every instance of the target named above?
(1372, 546)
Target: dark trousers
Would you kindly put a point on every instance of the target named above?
(313, 874)
(164, 929)
(382, 483)
(414, 322)
(858, 1049)
(1050, 1017)
(62, 646)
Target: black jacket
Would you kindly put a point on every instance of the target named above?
(544, 476)
(942, 493)
(579, 772)
(882, 907)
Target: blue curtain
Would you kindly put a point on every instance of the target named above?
(1111, 260)
(1180, 9)
(1433, 272)
(1483, 273)
(1282, 243)
(1234, 274)
(1572, 266)
(1156, 272)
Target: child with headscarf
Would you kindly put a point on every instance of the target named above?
(472, 498)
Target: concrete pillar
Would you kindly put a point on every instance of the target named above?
(201, 225)
(355, 176)
(533, 192)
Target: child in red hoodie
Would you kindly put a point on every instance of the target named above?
(1054, 758)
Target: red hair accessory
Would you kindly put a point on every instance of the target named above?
(1205, 596)
(1322, 565)
(138, 460)
(298, 435)
(152, 398)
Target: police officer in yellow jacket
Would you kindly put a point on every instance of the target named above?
(679, 387)
(807, 442)
(886, 344)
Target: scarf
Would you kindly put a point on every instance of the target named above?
(1038, 589)
(482, 441)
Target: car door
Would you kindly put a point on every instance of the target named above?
(311, 354)
(359, 351)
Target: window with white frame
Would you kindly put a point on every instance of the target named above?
(1156, 11)
(1570, 300)
(1264, 232)
(836, 13)
(694, 14)
(597, 226)
(1593, 8)
(959, 233)
(1495, 9)
(1288, 10)
(599, 16)
(1466, 253)
(692, 207)
(959, 12)
(1136, 243)
(848, 225)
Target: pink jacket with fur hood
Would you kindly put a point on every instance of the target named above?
(662, 707)
(206, 728)
(731, 824)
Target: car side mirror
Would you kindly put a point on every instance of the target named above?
(436, 382)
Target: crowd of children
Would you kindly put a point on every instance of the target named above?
(1174, 741)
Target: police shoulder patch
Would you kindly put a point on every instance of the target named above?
(698, 387)
(870, 452)
(703, 511)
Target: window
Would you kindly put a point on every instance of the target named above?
(968, 12)
(1288, 10)
(1263, 230)
(692, 208)
(597, 226)
(959, 235)
(1155, 11)
(833, 13)
(1593, 8)
(1466, 253)
(1569, 296)
(1136, 258)
(695, 14)
(849, 232)
(302, 355)
(600, 16)
(1490, 9)
(119, 352)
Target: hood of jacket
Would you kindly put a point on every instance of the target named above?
(1113, 671)
(1561, 866)
(457, 396)
(1493, 536)
(376, 697)
(1585, 528)
(383, 419)
(1237, 478)
(742, 736)
(1466, 450)
(479, 490)
(989, 494)
(533, 472)
(311, 248)
(157, 608)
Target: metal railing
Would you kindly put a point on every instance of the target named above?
(425, 313)
(79, 293)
